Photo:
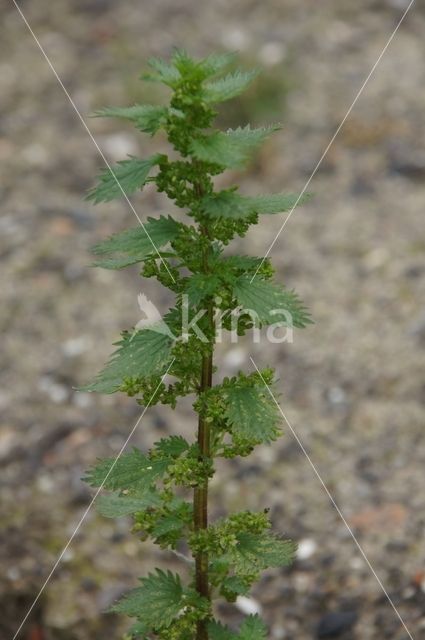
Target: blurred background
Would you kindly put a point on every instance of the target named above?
(352, 385)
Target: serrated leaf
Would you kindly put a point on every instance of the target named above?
(136, 244)
(215, 62)
(253, 628)
(228, 87)
(133, 472)
(188, 66)
(224, 204)
(184, 66)
(168, 524)
(232, 148)
(218, 631)
(230, 204)
(138, 630)
(242, 263)
(163, 71)
(171, 447)
(275, 202)
(256, 552)
(200, 286)
(116, 505)
(252, 413)
(125, 176)
(235, 584)
(146, 117)
(271, 303)
(144, 353)
(157, 602)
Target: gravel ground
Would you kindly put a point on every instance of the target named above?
(352, 384)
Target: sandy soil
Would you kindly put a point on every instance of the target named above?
(352, 385)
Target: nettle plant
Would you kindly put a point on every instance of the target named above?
(234, 415)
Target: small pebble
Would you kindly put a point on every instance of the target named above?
(234, 358)
(119, 145)
(75, 346)
(279, 633)
(235, 38)
(82, 400)
(333, 624)
(58, 393)
(248, 606)
(306, 548)
(336, 396)
(271, 53)
(357, 563)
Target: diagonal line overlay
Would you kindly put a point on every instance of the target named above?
(83, 122)
(322, 157)
(254, 364)
(83, 517)
(334, 504)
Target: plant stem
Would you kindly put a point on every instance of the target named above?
(200, 497)
(200, 501)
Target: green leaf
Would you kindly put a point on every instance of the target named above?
(270, 302)
(146, 117)
(256, 552)
(186, 65)
(168, 524)
(183, 66)
(252, 413)
(228, 87)
(157, 602)
(144, 353)
(215, 62)
(138, 630)
(171, 521)
(133, 472)
(200, 286)
(253, 628)
(232, 148)
(126, 176)
(171, 447)
(234, 584)
(136, 244)
(164, 72)
(239, 263)
(218, 631)
(116, 505)
(230, 204)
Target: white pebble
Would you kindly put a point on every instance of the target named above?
(278, 633)
(272, 53)
(118, 145)
(235, 38)
(306, 548)
(357, 563)
(75, 346)
(234, 357)
(57, 392)
(13, 573)
(82, 400)
(336, 395)
(248, 605)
